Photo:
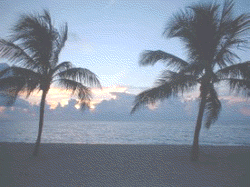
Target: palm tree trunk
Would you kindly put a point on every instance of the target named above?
(195, 148)
(38, 141)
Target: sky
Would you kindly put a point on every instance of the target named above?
(107, 37)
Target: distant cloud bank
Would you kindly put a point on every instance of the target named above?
(117, 107)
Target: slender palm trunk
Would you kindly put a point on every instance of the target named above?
(38, 141)
(195, 148)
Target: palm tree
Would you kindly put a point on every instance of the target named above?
(210, 36)
(34, 49)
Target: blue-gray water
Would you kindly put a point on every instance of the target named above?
(108, 132)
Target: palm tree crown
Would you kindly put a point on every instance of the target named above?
(210, 36)
(34, 49)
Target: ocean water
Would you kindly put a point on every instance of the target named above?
(111, 132)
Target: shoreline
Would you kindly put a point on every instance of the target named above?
(60, 164)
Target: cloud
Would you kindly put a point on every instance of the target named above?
(60, 96)
(115, 103)
(234, 99)
(106, 93)
(118, 108)
(54, 97)
(245, 111)
(21, 110)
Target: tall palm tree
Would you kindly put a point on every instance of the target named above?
(34, 49)
(210, 35)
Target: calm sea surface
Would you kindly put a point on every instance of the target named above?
(109, 132)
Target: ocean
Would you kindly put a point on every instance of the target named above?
(120, 132)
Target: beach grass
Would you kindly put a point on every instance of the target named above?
(123, 165)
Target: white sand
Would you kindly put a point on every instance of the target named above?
(123, 165)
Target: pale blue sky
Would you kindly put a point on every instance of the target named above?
(107, 36)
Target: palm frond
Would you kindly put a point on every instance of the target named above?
(241, 70)
(180, 82)
(20, 80)
(227, 14)
(151, 57)
(209, 37)
(202, 47)
(212, 107)
(8, 99)
(8, 84)
(61, 67)
(15, 54)
(25, 73)
(169, 84)
(81, 75)
(59, 43)
(35, 35)
(179, 25)
(14, 80)
(14, 85)
(232, 35)
(239, 86)
(150, 96)
(196, 27)
(5, 73)
(232, 30)
(239, 25)
(83, 93)
(47, 18)
(225, 56)
(195, 68)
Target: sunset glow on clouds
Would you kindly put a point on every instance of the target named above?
(121, 98)
(61, 96)
(234, 99)
(115, 103)
(2, 108)
(105, 94)
(58, 96)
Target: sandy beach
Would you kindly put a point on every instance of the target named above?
(123, 165)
